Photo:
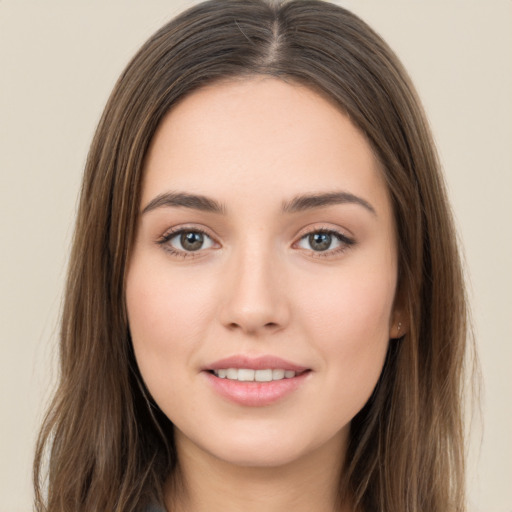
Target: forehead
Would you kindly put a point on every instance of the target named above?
(260, 136)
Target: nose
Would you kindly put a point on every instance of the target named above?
(254, 295)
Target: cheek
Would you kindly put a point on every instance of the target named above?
(348, 321)
(164, 306)
(349, 308)
(167, 325)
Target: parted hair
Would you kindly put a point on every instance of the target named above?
(105, 444)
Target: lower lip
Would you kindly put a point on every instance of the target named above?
(255, 394)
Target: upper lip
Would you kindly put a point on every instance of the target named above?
(255, 363)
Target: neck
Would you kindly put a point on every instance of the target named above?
(204, 483)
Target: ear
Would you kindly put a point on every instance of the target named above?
(399, 321)
(398, 327)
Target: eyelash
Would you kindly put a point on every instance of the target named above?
(167, 237)
(346, 242)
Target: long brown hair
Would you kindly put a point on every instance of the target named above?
(106, 444)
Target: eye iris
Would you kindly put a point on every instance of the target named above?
(320, 241)
(191, 240)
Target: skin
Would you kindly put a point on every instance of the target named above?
(257, 286)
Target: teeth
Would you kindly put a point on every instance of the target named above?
(263, 375)
(232, 373)
(248, 375)
(245, 375)
(278, 374)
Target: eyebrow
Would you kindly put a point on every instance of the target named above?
(193, 201)
(297, 204)
(309, 201)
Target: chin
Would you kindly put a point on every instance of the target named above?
(259, 456)
(267, 448)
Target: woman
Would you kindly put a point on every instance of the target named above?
(265, 306)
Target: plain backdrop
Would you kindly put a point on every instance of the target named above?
(58, 62)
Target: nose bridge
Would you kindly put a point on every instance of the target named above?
(254, 296)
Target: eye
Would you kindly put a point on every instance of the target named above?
(186, 241)
(325, 241)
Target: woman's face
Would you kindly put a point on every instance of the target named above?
(260, 290)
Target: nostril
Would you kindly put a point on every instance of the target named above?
(267, 326)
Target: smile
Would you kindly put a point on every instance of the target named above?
(255, 381)
(249, 375)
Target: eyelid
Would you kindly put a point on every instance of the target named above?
(340, 234)
(175, 231)
(324, 227)
(346, 240)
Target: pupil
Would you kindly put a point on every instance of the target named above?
(320, 241)
(191, 241)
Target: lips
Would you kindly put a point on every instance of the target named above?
(256, 363)
(249, 375)
(255, 382)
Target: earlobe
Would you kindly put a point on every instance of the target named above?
(399, 318)
(398, 328)
(399, 325)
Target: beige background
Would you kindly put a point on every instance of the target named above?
(58, 62)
